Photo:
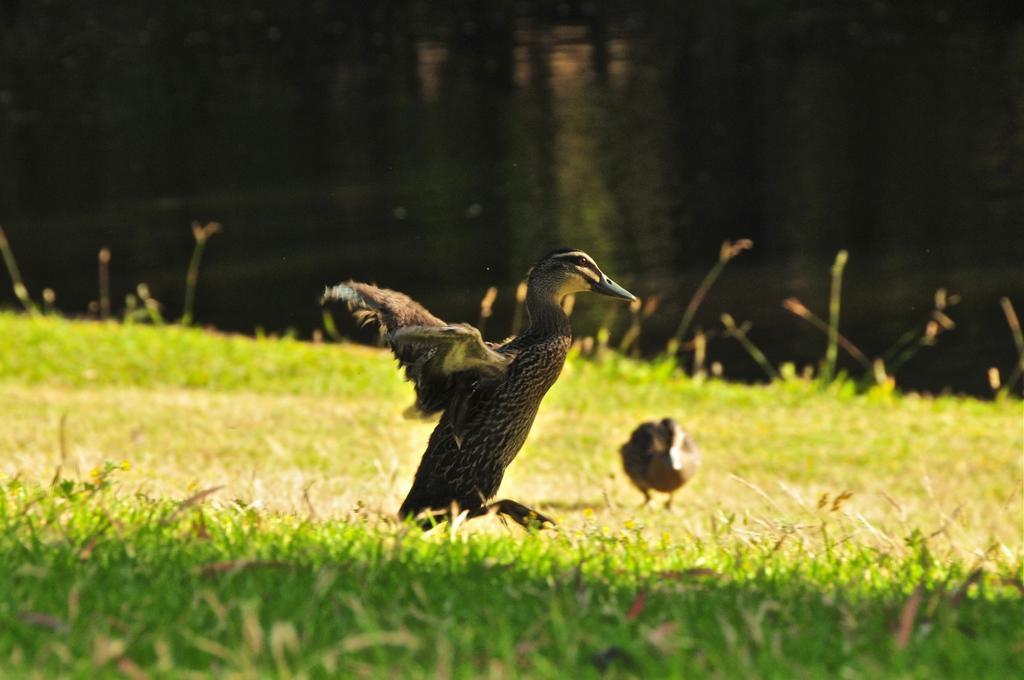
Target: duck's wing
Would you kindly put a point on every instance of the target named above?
(389, 309)
(449, 364)
(452, 348)
(443, 361)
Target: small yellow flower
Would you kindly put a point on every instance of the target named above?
(126, 465)
(95, 473)
(629, 524)
(588, 512)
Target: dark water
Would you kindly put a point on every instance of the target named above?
(440, 148)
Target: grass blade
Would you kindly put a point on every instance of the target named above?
(797, 308)
(740, 334)
(907, 617)
(728, 251)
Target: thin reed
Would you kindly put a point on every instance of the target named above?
(20, 290)
(832, 351)
(700, 350)
(486, 308)
(920, 336)
(633, 332)
(728, 251)
(650, 306)
(202, 234)
(794, 306)
(880, 369)
(150, 306)
(49, 301)
(1018, 339)
(739, 333)
(104, 281)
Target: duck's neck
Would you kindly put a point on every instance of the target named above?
(546, 315)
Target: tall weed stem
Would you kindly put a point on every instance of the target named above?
(202, 234)
(832, 352)
(20, 291)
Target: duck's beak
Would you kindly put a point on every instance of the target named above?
(612, 289)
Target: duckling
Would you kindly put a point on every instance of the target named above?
(487, 394)
(660, 456)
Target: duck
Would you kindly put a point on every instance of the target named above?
(660, 456)
(487, 394)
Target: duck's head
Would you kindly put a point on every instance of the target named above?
(679, 443)
(566, 271)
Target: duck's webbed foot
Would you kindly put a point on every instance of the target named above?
(429, 518)
(519, 513)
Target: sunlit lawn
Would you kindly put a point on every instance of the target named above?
(758, 569)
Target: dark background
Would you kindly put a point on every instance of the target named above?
(441, 147)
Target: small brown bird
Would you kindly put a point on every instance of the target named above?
(660, 456)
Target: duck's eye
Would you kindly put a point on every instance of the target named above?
(582, 261)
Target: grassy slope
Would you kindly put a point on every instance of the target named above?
(936, 491)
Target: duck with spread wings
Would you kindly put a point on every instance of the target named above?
(487, 394)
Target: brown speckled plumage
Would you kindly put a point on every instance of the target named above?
(488, 395)
(660, 456)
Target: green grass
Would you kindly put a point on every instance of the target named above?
(294, 567)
